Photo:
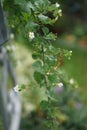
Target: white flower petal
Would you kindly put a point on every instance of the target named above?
(16, 88)
(31, 35)
(71, 81)
(57, 5)
(60, 84)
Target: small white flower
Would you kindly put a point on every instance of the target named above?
(71, 81)
(31, 35)
(60, 12)
(60, 84)
(57, 5)
(17, 88)
(70, 51)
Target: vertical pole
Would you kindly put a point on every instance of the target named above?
(3, 91)
(3, 30)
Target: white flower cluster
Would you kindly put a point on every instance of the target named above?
(71, 81)
(60, 85)
(60, 12)
(31, 35)
(59, 88)
(70, 52)
(57, 5)
(17, 88)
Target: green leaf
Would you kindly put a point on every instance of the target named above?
(23, 87)
(19, 2)
(41, 5)
(51, 36)
(53, 78)
(30, 5)
(35, 55)
(25, 15)
(38, 77)
(38, 66)
(45, 30)
(43, 17)
(44, 105)
(31, 26)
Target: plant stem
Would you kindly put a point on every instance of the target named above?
(43, 59)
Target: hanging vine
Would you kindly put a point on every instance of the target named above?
(33, 19)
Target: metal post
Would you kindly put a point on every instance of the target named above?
(3, 30)
(3, 90)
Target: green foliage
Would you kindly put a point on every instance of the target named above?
(39, 78)
(33, 19)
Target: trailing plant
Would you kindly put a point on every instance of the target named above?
(34, 19)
